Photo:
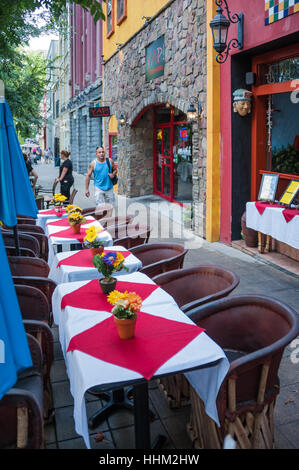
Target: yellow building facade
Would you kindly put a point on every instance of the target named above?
(190, 75)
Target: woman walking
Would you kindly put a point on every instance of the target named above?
(65, 178)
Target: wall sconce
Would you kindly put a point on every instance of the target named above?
(194, 114)
(122, 120)
(119, 45)
(102, 60)
(220, 25)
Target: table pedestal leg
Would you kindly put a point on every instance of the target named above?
(117, 400)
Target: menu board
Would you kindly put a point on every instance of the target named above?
(268, 187)
(290, 193)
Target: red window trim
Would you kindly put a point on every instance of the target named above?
(109, 34)
(124, 16)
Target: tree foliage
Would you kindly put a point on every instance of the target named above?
(20, 19)
(24, 77)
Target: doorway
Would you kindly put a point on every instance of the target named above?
(172, 154)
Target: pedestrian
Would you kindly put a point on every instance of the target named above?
(31, 173)
(104, 171)
(47, 156)
(50, 154)
(65, 178)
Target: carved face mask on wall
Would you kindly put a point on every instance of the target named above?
(242, 102)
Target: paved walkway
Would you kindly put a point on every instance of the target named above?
(256, 277)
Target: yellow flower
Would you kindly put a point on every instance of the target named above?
(92, 233)
(119, 259)
(115, 296)
(72, 207)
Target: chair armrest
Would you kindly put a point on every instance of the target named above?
(36, 352)
(43, 333)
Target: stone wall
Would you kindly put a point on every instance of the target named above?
(183, 24)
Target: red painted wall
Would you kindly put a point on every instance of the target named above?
(255, 34)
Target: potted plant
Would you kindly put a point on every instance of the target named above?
(75, 220)
(126, 307)
(92, 241)
(73, 208)
(107, 264)
(58, 200)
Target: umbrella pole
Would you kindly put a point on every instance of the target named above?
(17, 244)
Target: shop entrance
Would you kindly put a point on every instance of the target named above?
(172, 148)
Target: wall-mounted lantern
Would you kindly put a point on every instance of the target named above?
(122, 120)
(220, 25)
(194, 114)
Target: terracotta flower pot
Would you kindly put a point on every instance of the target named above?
(125, 327)
(107, 287)
(97, 251)
(76, 228)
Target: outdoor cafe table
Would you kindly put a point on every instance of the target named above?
(166, 342)
(58, 239)
(71, 266)
(45, 216)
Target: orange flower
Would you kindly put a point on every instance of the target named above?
(135, 301)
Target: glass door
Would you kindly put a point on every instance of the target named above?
(163, 161)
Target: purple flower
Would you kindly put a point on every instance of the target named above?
(109, 258)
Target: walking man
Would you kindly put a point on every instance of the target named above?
(104, 171)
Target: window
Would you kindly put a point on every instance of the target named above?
(121, 11)
(110, 18)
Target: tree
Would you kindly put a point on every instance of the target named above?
(17, 27)
(24, 77)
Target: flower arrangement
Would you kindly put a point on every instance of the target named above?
(91, 239)
(73, 208)
(108, 263)
(58, 199)
(76, 218)
(126, 304)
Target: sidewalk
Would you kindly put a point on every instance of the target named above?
(256, 277)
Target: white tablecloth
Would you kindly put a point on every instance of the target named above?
(273, 223)
(65, 273)
(66, 242)
(85, 371)
(43, 218)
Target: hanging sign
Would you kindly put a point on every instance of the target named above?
(155, 59)
(100, 111)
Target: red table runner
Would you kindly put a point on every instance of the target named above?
(143, 353)
(288, 214)
(84, 258)
(61, 223)
(91, 297)
(52, 212)
(68, 233)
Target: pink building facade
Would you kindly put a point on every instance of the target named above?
(86, 86)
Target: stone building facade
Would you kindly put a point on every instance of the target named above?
(128, 93)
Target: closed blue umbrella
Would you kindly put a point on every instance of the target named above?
(16, 195)
(14, 350)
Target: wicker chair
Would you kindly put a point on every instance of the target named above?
(22, 266)
(25, 228)
(25, 241)
(192, 287)
(134, 238)
(253, 330)
(25, 220)
(12, 251)
(159, 258)
(99, 212)
(119, 220)
(42, 332)
(33, 303)
(21, 408)
(45, 285)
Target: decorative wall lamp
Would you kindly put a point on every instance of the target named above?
(194, 114)
(122, 120)
(119, 45)
(220, 25)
